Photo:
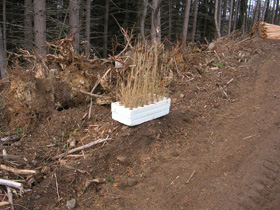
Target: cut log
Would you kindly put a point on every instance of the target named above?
(267, 31)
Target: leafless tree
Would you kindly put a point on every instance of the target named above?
(170, 19)
(264, 9)
(257, 11)
(230, 16)
(155, 22)
(194, 20)
(142, 19)
(4, 26)
(273, 12)
(217, 3)
(236, 14)
(2, 57)
(88, 4)
(74, 8)
(40, 26)
(186, 20)
(28, 34)
(105, 49)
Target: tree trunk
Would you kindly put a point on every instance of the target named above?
(74, 8)
(220, 15)
(4, 26)
(88, 4)
(126, 15)
(276, 13)
(194, 20)
(217, 18)
(142, 19)
(230, 16)
(40, 26)
(105, 49)
(243, 15)
(264, 10)
(28, 35)
(236, 14)
(224, 17)
(186, 20)
(273, 12)
(155, 22)
(2, 57)
(257, 12)
(170, 20)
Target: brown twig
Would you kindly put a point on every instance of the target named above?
(189, 179)
(17, 171)
(56, 184)
(83, 147)
(87, 93)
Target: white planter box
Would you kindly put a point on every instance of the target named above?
(136, 116)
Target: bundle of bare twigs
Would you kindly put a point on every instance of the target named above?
(268, 31)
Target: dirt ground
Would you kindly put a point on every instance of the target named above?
(219, 147)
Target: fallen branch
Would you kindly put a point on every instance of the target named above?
(9, 157)
(188, 181)
(10, 197)
(4, 203)
(17, 171)
(87, 93)
(228, 83)
(10, 138)
(56, 184)
(82, 147)
(12, 184)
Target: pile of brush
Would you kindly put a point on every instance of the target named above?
(267, 31)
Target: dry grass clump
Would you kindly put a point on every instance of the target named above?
(142, 83)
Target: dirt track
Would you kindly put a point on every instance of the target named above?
(233, 156)
(210, 152)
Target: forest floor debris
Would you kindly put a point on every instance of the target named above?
(194, 142)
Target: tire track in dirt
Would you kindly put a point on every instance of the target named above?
(241, 170)
(263, 191)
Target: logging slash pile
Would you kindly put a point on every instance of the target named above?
(38, 86)
(266, 30)
(71, 153)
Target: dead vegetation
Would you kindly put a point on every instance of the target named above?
(143, 81)
(199, 77)
(39, 85)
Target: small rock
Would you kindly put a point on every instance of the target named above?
(212, 46)
(122, 159)
(71, 204)
(131, 182)
(127, 183)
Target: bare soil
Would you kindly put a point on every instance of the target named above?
(219, 148)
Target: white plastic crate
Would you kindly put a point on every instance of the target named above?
(136, 116)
